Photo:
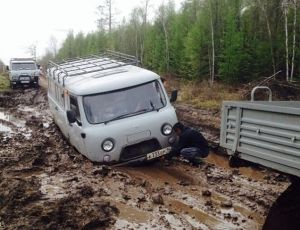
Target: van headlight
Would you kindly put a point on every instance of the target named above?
(166, 129)
(107, 145)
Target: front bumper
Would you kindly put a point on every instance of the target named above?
(25, 80)
(148, 157)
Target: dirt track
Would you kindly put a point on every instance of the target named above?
(45, 184)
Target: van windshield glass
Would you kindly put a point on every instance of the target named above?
(19, 66)
(106, 107)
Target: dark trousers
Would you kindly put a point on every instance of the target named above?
(194, 152)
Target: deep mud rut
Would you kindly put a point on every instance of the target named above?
(46, 184)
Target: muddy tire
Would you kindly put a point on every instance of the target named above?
(234, 162)
(285, 212)
(11, 85)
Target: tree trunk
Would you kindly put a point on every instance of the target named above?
(167, 44)
(285, 9)
(145, 15)
(212, 77)
(109, 16)
(269, 34)
(294, 39)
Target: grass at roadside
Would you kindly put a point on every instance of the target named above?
(202, 95)
(4, 82)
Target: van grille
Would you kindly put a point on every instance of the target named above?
(140, 149)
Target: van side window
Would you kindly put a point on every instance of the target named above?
(51, 88)
(57, 93)
(74, 106)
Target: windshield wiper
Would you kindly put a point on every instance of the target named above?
(128, 115)
(116, 118)
(152, 106)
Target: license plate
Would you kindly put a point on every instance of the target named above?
(25, 82)
(158, 153)
(24, 79)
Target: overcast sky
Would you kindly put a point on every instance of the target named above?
(27, 22)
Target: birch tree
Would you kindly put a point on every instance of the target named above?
(53, 45)
(105, 13)
(144, 27)
(294, 39)
(262, 6)
(163, 19)
(212, 77)
(285, 13)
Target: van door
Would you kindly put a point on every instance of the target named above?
(57, 106)
(75, 130)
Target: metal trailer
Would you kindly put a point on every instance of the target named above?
(263, 132)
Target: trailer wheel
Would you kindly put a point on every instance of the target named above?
(234, 162)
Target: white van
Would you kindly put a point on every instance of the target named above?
(23, 71)
(110, 109)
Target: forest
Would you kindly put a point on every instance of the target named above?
(231, 41)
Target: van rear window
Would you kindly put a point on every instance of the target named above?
(104, 107)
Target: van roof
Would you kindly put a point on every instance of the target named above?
(101, 73)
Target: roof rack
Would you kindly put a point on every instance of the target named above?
(21, 59)
(92, 63)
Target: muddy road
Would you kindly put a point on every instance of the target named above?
(46, 184)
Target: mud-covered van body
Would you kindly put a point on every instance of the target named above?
(23, 71)
(110, 109)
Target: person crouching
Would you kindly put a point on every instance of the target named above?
(191, 144)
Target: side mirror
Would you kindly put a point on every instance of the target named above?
(7, 68)
(174, 96)
(71, 115)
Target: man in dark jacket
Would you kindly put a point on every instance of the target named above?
(191, 145)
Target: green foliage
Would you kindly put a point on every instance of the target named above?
(4, 82)
(180, 43)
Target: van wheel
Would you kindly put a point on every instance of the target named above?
(36, 85)
(12, 86)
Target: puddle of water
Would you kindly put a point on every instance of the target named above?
(124, 224)
(10, 124)
(132, 214)
(195, 223)
(201, 216)
(4, 129)
(222, 161)
(52, 187)
(256, 216)
(10, 118)
(157, 174)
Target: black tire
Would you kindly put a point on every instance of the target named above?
(234, 162)
(12, 86)
(36, 85)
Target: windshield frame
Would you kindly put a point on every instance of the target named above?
(163, 97)
(33, 66)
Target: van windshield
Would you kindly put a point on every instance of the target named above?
(19, 66)
(106, 107)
